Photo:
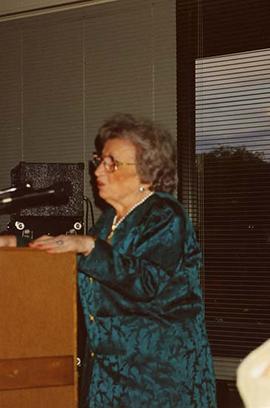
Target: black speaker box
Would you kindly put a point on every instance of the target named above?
(49, 219)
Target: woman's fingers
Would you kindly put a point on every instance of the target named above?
(64, 243)
(50, 243)
(8, 241)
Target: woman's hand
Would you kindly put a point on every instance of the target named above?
(8, 241)
(82, 244)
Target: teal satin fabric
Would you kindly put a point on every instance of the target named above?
(141, 297)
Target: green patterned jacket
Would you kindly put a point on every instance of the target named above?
(147, 345)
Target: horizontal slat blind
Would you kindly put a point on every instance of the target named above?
(233, 157)
(64, 73)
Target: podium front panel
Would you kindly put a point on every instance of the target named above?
(38, 346)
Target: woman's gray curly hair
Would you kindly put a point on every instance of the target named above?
(155, 149)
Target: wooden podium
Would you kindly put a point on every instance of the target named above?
(38, 346)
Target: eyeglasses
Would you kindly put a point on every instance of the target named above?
(109, 163)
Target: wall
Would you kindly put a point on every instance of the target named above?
(17, 6)
(63, 73)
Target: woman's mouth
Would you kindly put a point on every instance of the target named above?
(100, 184)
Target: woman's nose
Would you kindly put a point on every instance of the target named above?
(100, 169)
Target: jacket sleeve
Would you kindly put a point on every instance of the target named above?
(142, 268)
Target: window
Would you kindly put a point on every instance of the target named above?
(224, 145)
(233, 156)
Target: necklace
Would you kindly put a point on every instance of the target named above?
(116, 223)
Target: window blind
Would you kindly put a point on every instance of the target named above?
(64, 73)
(233, 156)
(222, 118)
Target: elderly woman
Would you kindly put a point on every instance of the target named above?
(139, 279)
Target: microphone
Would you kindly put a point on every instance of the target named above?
(14, 190)
(56, 194)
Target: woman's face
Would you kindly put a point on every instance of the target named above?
(121, 185)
